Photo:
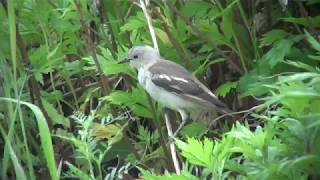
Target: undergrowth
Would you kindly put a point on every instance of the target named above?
(69, 110)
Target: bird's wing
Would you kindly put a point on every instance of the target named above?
(176, 79)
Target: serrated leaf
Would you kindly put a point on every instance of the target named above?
(134, 22)
(54, 115)
(225, 88)
(135, 100)
(196, 152)
(119, 97)
(113, 67)
(112, 132)
(211, 29)
(200, 6)
(185, 175)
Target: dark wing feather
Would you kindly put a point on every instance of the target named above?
(176, 79)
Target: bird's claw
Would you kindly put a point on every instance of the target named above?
(170, 140)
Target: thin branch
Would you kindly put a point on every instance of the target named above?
(175, 43)
(155, 44)
(33, 85)
(202, 36)
(105, 18)
(151, 29)
(172, 145)
(234, 113)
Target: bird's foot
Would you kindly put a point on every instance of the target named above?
(170, 140)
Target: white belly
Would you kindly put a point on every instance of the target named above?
(164, 97)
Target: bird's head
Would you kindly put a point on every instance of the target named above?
(140, 56)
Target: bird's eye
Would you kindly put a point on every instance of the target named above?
(135, 56)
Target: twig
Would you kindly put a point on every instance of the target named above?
(174, 41)
(234, 113)
(202, 36)
(171, 144)
(105, 18)
(155, 44)
(151, 29)
(33, 85)
(304, 13)
(162, 141)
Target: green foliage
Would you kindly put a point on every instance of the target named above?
(273, 36)
(135, 99)
(45, 138)
(67, 101)
(225, 88)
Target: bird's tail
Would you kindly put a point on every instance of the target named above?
(208, 116)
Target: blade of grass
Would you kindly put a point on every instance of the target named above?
(45, 136)
(19, 172)
(12, 30)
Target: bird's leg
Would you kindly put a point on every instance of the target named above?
(184, 118)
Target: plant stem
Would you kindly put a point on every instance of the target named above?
(168, 160)
(174, 41)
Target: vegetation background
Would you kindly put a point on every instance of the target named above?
(68, 110)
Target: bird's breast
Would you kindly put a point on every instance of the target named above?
(143, 76)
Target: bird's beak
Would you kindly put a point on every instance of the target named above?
(125, 60)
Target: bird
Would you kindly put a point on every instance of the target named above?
(173, 86)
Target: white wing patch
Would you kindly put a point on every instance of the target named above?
(164, 76)
(169, 78)
(180, 79)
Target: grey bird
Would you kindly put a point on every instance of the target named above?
(173, 86)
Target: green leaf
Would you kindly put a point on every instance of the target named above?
(225, 88)
(113, 67)
(78, 172)
(54, 115)
(302, 65)
(185, 175)
(314, 43)
(135, 100)
(19, 172)
(162, 36)
(119, 97)
(226, 26)
(45, 137)
(305, 21)
(278, 52)
(317, 58)
(134, 22)
(193, 129)
(195, 8)
(196, 152)
(272, 37)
